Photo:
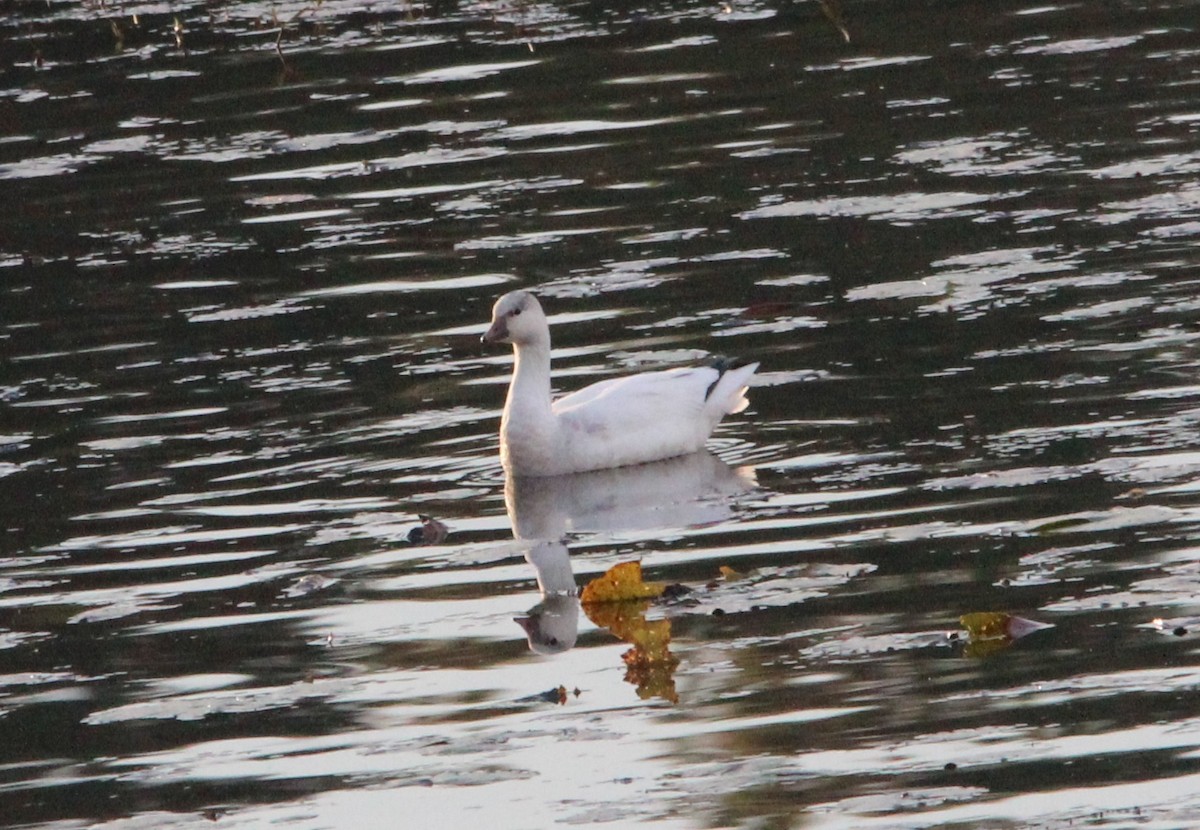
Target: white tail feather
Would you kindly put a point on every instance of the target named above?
(741, 402)
(729, 396)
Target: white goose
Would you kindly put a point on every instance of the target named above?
(613, 423)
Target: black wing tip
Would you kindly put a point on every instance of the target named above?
(724, 363)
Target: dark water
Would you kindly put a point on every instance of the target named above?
(242, 292)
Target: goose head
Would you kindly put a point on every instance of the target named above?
(517, 318)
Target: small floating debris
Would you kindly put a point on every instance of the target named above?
(728, 574)
(832, 10)
(675, 591)
(558, 695)
(308, 584)
(431, 531)
(1060, 524)
(1177, 626)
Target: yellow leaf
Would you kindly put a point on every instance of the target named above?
(995, 625)
(620, 583)
(986, 625)
(993, 631)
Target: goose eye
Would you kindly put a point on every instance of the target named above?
(515, 312)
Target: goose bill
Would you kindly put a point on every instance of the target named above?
(498, 333)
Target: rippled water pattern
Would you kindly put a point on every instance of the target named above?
(247, 253)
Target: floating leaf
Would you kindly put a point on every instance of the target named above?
(557, 695)
(833, 13)
(985, 625)
(675, 591)
(730, 574)
(992, 631)
(1060, 524)
(620, 583)
(431, 531)
(308, 584)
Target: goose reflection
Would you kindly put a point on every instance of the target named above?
(689, 491)
(552, 625)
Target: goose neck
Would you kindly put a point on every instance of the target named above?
(531, 376)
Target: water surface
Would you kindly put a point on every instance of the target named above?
(248, 254)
